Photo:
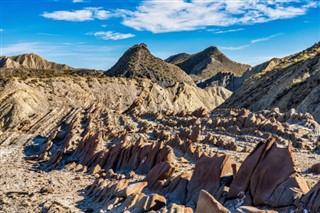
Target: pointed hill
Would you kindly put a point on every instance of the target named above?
(207, 63)
(233, 82)
(178, 58)
(139, 62)
(30, 61)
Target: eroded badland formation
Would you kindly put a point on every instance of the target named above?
(194, 133)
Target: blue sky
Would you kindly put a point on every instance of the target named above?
(95, 33)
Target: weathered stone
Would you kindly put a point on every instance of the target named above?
(174, 208)
(208, 204)
(315, 168)
(310, 202)
(270, 182)
(159, 172)
(207, 174)
(96, 169)
(148, 203)
(251, 209)
(132, 189)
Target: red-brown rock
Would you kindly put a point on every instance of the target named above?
(310, 201)
(208, 204)
(206, 175)
(269, 174)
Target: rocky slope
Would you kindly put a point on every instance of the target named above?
(164, 161)
(178, 58)
(25, 101)
(290, 82)
(89, 143)
(30, 61)
(226, 80)
(139, 62)
(207, 63)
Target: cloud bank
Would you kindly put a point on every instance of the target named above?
(164, 16)
(86, 14)
(186, 15)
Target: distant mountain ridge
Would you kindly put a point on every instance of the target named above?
(290, 82)
(233, 82)
(178, 58)
(139, 62)
(30, 61)
(207, 63)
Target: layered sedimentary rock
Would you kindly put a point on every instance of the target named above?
(31, 61)
(146, 161)
(290, 82)
(24, 103)
(269, 182)
(311, 201)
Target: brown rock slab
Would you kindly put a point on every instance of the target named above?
(159, 172)
(315, 168)
(310, 202)
(208, 204)
(174, 208)
(96, 169)
(251, 209)
(269, 174)
(132, 189)
(149, 203)
(206, 176)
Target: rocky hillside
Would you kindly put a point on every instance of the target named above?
(139, 62)
(21, 100)
(207, 63)
(30, 61)
(226, 80)
(85, 154)
(233, 82)
(84, 142)
(178, 58)
(290, 82)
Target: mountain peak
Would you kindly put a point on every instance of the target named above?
(31, 55)
(207, 63)
(141, 45)
(30, 61)
(27, 56)
(212, 50)
(178, 58)
(138, 61)
(142, 48)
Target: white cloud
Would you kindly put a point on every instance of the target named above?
(185, 15)
(109, 35)
(254, 41)
(265, 38)
(86, 14)
(227, 31)
(164, 16)
(235, 47)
